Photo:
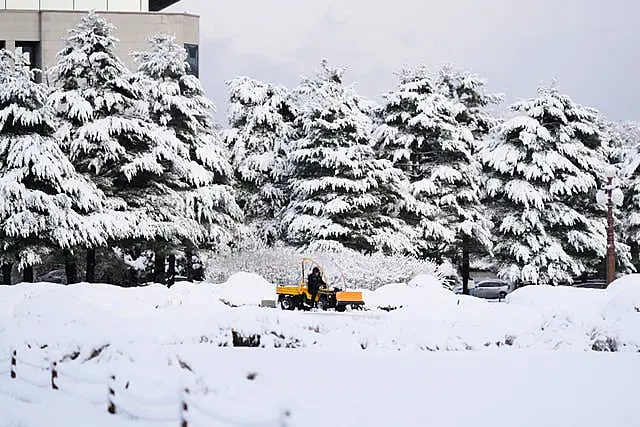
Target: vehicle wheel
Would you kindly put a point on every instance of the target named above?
(341, 307)
(322, 304)
(286, 303)
(502, 296)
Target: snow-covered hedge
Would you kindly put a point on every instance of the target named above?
(282, 265)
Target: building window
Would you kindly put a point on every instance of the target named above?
(192, 58)
(3, 44)
(31, 51)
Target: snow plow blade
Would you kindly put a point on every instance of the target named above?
(349, 297)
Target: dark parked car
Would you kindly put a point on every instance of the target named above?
(54, 276)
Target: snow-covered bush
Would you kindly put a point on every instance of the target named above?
(282, 265)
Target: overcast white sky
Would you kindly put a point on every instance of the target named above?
(592, 47)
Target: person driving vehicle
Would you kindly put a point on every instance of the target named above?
(314, 282)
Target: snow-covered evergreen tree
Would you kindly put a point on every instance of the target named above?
(430, 128)
(469, 90)
(469, 216)
(262, 124)
(109, 138)
(625, 141)
(546, 165)
(45, 205)
(338, 187)
(400, 138)
(203, 176)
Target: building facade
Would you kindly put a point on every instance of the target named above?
(38, 27)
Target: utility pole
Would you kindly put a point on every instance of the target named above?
(611, 248)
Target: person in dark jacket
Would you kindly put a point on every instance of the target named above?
(314, 282)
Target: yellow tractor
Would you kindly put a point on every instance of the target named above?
(297, 296)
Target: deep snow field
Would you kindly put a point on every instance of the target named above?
(526, 362)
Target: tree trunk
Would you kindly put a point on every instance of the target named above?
(635, 255)
(465, 265)
(90, 276)
(133, 277)
(188, 266)
(6, 274)
(171, 270)
(27, 274)
(158, 268)
(70, 268)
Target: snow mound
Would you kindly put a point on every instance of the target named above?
(623, 296)
(630, 281)
(244, 289)
(12, 295)
(424, 292)
(390, 296)
(427, 281)
(566, 299)
(128, 302)
(58, 314)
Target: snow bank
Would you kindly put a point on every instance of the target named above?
(244, 289)
(624, 295)
(422, 292)
(419, 315)
(562, 299)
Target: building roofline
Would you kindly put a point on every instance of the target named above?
(99, 12)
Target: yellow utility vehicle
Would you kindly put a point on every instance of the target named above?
(297, 296)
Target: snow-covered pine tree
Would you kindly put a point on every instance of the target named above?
(261, 117)
(109, 138)
(338, 187)
(625, 142)
(469, 90)
(6, 263)
(45, 205)
(204, 177)
(400, 138)
(545, 166)
(428, 129)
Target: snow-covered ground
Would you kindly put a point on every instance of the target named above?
(370, 367)
(497, 388)
(84, 317)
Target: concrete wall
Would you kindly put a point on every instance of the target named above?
(50, 27)
(20, 25)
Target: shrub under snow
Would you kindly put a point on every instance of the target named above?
(281, 265)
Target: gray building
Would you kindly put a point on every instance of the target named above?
(39, 26)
